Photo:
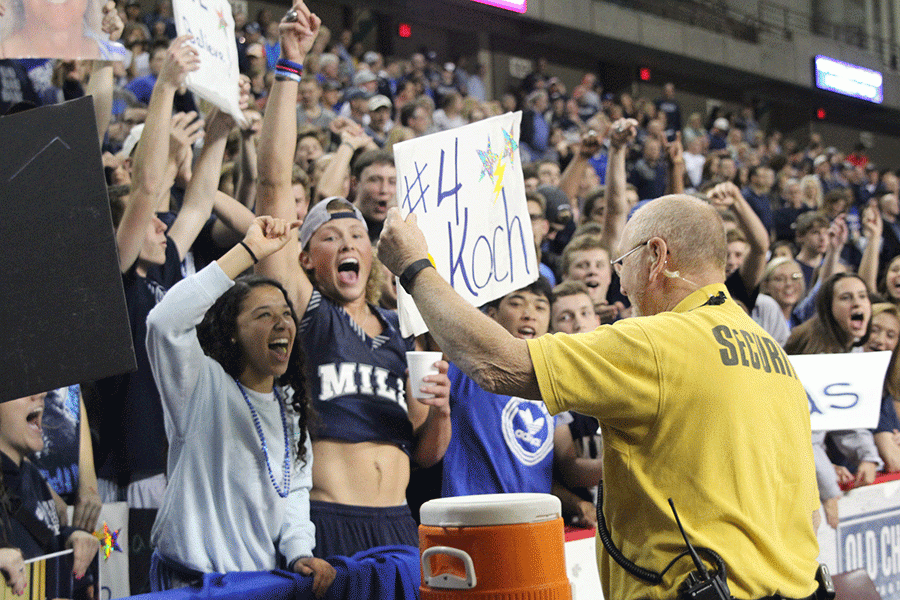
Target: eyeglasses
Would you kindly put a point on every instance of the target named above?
(785, 279)
(617, 263)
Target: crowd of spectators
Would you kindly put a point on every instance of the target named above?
(813, 231)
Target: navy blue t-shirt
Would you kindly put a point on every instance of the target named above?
(887, 419)
(356, 383)
(132, 431)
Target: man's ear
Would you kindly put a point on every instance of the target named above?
(490, 311)
(660, 252)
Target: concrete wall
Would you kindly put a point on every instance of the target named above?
(774, 57)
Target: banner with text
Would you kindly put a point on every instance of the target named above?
(466, 187)
(844, 389)
(211, 24)
(867, 536)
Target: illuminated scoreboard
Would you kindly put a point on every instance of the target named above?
(518, 6)
(847, 79)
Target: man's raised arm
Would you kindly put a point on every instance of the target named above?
(477, 344)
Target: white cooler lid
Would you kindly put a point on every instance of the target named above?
(490, 509)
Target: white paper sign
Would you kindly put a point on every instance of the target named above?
(466, 187)
(845, 389)
(211, 24)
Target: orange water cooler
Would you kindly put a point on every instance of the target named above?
(493, 547)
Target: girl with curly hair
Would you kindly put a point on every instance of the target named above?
(231, 381)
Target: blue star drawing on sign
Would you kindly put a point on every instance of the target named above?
(511, 145)
(488, 160)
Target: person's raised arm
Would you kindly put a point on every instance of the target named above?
(838, 234)
(331, 183)
(152, 152)
(248, 175)
(676, 165)
(278, 142)
(729, 196)
(100, 83)
(232, 220)
(571, 177)
(872, 229)
(481, 347)
(201, 191)
(621, 134)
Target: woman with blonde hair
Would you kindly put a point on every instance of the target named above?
(812, 191)
(783, 281)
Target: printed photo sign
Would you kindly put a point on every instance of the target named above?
(67, 29)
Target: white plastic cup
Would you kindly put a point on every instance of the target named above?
(420, 365)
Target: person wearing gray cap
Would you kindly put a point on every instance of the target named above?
(370, 430)
(380, 123)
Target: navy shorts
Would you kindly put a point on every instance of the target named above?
(344, 530)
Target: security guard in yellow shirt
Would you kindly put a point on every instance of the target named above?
(697, 404)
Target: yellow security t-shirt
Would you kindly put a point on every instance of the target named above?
(700, 405)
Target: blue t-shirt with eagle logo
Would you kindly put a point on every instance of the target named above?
(499, 443)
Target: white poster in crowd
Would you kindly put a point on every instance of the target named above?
(466, 188)
(867, 536)
(844, 389)
(211, 24)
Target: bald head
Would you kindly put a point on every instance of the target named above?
(692, 229)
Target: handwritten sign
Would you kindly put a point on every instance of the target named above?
(211, 24)
(844, 389)
(466, 187)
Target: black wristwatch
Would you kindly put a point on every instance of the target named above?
(410, 273)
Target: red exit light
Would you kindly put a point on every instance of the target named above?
(644, 74)
(820, 114)
(404, 30)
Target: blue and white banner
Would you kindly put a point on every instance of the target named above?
(867, 536)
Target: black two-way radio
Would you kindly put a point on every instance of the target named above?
(702, 584)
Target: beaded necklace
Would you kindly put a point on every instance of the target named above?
(286, 479)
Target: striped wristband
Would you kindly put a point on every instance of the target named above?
(286, 69)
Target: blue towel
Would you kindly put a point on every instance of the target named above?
(375, 574)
